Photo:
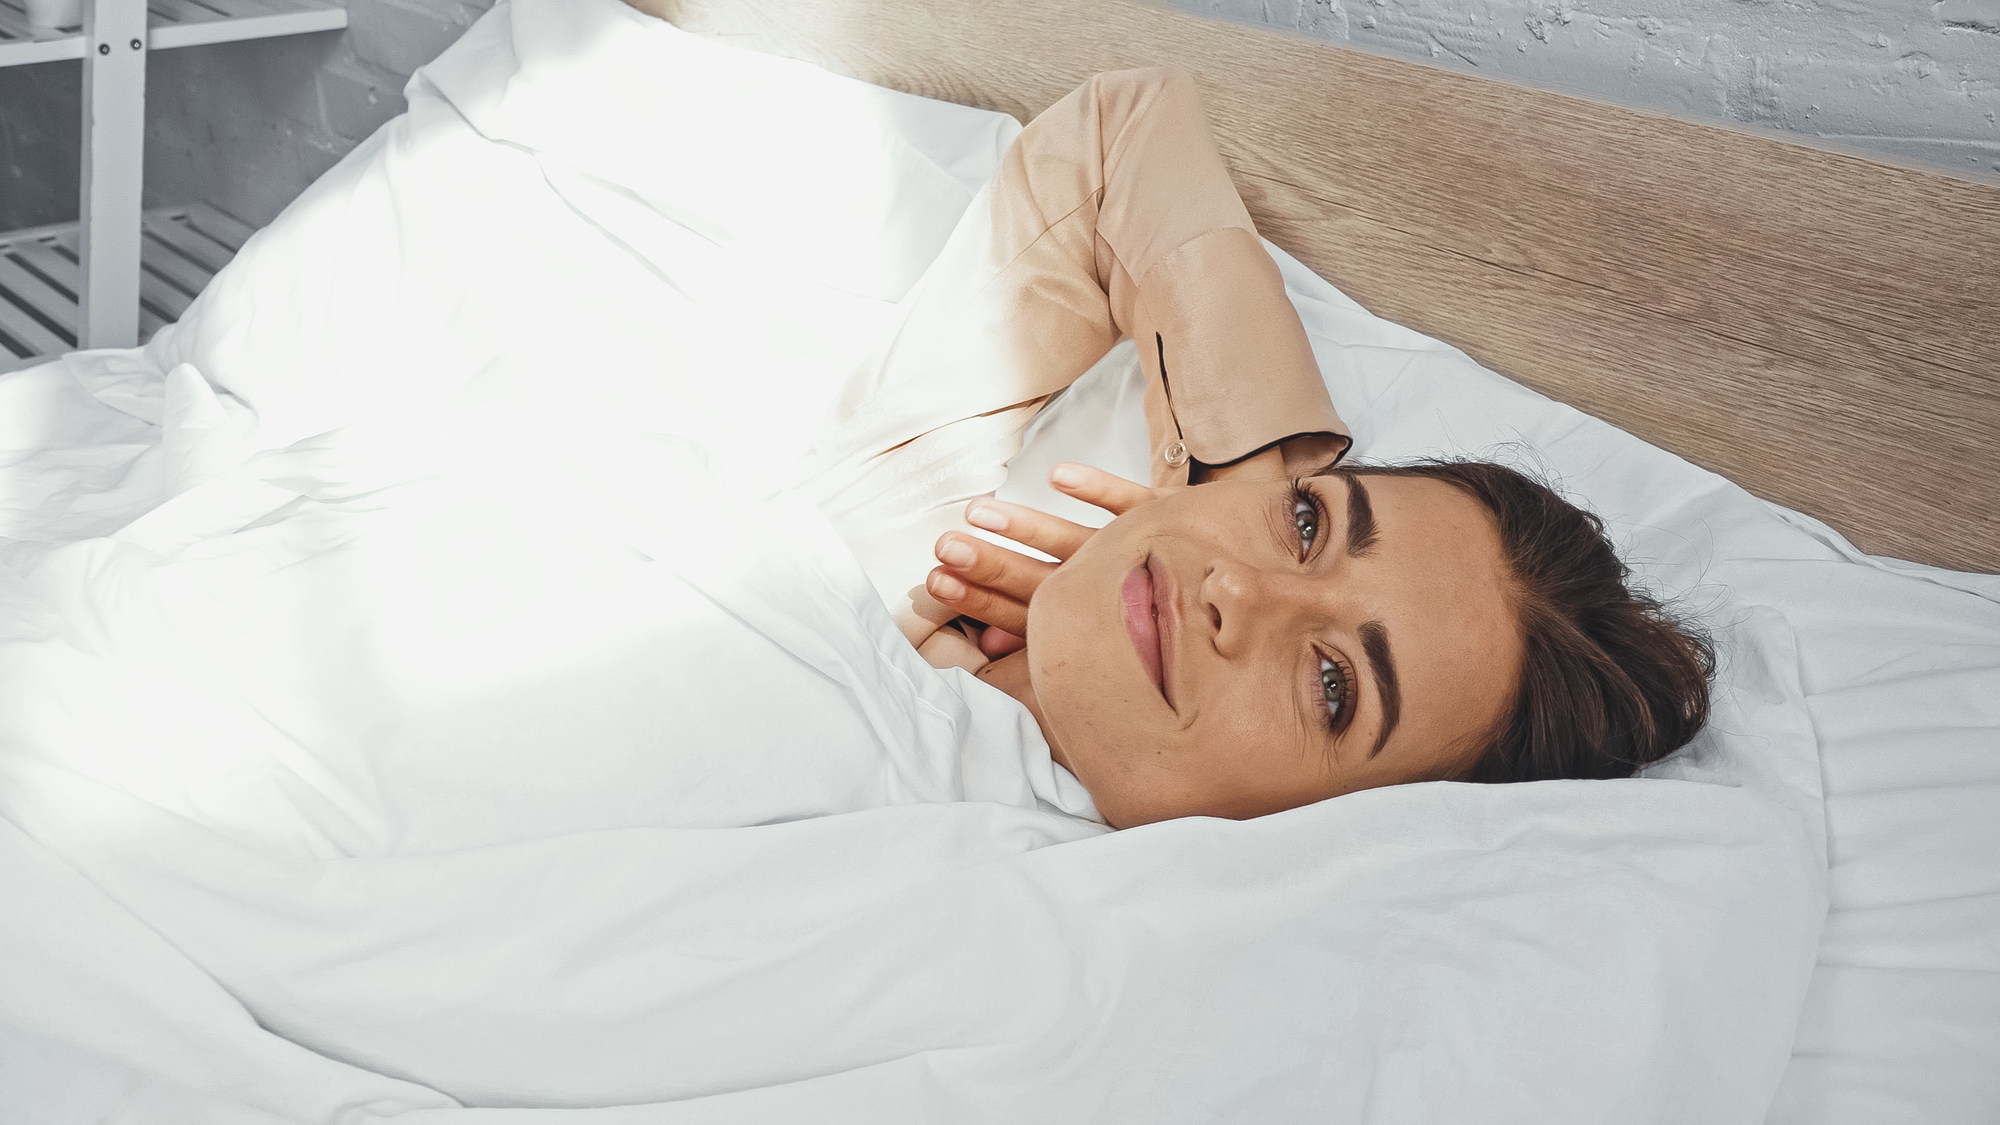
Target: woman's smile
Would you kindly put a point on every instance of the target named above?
(1167, 623)
(1142, 622)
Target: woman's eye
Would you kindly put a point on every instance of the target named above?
(1306, 518)
(1333, 686)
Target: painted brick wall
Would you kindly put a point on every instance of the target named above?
(1913, 79)
(40, 134)
(244, 126)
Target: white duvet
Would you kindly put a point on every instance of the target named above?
(418, 697)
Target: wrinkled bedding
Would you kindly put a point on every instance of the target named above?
(419, 695)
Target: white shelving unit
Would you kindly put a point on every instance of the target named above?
(98, 282)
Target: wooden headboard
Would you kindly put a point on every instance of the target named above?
(1821, 328)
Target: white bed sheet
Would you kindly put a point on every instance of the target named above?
(919, 957)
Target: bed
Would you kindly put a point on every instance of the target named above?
(439, 357)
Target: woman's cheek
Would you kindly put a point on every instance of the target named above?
(1080, 716)
(1062, 690)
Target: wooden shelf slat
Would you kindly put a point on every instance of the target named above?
(47, 299)
(182, 11)
(21, 44)
(43, 257)
(171, 24)
(183, 250)
(172, 267)
(155, 293)
(25, 329)
(223, 228)
(299, 22)
(170, 232)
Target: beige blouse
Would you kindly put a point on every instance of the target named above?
(1111, 215)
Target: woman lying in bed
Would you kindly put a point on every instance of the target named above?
(1294, 629)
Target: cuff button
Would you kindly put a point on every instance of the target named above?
(1177, 455)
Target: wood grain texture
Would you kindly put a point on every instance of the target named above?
(1821, 328)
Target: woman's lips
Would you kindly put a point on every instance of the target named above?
(1167, 622)
(1142, 622)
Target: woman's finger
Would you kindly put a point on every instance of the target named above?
(1052, 535)
(997, 642)
(978, 602)
(1109, 491)
(979, 563)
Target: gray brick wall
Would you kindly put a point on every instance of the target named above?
(40, 135)
(244, 126)
(398, 36)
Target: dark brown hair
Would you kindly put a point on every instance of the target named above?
(1610, 679)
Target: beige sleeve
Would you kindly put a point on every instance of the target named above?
(1111, 214)
(1229, 369)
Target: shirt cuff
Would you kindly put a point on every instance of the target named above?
(1232, 370)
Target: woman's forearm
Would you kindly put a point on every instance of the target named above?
(1229, 368)
(1112, 214)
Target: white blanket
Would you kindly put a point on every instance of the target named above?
(414, 702)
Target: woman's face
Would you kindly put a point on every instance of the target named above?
(1242, 648)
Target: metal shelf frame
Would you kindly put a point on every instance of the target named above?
(113, 41)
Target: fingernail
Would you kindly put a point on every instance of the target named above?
(986, 516)
(958, 553)
(1070, 476)
(946, 587)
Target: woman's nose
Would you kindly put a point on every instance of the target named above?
(1244, 601)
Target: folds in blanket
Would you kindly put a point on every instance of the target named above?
(491, 637)
(930, 956)
(852, 186)
(105, 1017)
(95, 440)
(617, 966)
(553, 231)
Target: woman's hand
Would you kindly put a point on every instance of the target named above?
(990, 583)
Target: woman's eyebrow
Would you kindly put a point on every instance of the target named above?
(1360, 518)
(1375, 646)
